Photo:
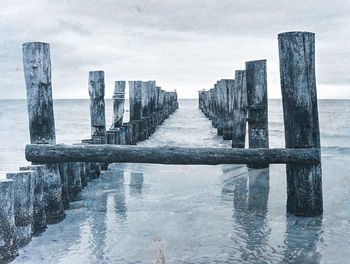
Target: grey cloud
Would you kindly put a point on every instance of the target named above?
(185, 44)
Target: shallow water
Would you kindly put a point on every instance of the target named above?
(140, 213)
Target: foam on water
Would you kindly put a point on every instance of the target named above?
(140, 213)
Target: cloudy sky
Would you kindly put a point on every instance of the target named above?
(182, 44)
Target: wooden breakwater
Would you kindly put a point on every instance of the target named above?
(249, 105)
(59, 172)
(38, 194)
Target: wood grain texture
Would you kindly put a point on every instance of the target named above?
(239, 110)
(37, 74)
(97, 103)
(298, 84)
(118, 104)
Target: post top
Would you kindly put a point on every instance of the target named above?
(35, 43)
(295, 34)
(256, 61)
(96, 72)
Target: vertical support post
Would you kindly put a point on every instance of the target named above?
(74, 182)
(23, 205)
(97, 105)
(118, 104)
(135, 100)
(298, 84)
(258, 132)
(220, 108)
(39, 214)
(37, 74)
(8, 249)
(239, 110)
(64, 173)
(228, 114)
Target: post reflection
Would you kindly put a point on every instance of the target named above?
(250, 190)
(302, 235)
(120, 207)
(136, 182)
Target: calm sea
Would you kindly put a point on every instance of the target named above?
(190, 214)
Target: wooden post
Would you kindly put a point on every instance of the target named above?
(64, 173)
(39, 214)
(218, 109)
(135, 100)
(82, 174)
(37, 74)
(97, 104)
(23, 205)
(157, 106)
(8, 249)
(74, 182)
(228, 109)
(258, 132)
(143, 128)
(298, 84)
(239, 110)
(118, 104)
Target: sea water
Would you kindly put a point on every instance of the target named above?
(144, 213)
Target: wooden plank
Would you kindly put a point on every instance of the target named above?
(167, 155)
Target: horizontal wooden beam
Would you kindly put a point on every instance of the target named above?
(42, 153)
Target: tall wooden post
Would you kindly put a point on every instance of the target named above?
(97, 105)
(37, 74)
(135, 100)
(220, 107)
(228, 111)
(239, 110)
(258, 132)
(298, 84)
(118, 104)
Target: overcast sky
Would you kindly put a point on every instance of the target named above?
(182, 44)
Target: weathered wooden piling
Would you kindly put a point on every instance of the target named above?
(37, 74)
(219, 108)
(97, 104)
(83, 176)
(228, 108)
(23, 205)
(298, 84)
(239, 110)
(118, 104)
(74, 182)
(258, 133)
(53, 194)
(8, 248)
(64, 173)
(39, 213)
(135, 88)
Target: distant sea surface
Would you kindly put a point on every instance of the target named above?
(190, 214)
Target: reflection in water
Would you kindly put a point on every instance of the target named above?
(302, 235)
(136, 182)
(120, 207)
(250, 196)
